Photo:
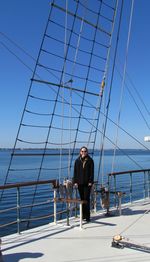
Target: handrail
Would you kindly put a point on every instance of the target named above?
(128, 172)
(31, 183)
(144, 175)
(20, 205)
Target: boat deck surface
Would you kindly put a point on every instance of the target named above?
(59, 243)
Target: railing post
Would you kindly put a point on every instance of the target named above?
(55, 216)
(18, 210)
(76, 207)
(68, 214)
(81, 215)
(144, 184)
(119, 202)
(115, 189)
(95, 201)
(148, 184)
(130, 187)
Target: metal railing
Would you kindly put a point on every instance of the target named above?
(134, 183)
(18, 207)
(125, 186)
(18, 203)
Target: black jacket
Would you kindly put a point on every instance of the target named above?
(84, 171)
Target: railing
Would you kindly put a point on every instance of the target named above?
(125, 186)
(52, 196)
(20, 199)
(134, 183)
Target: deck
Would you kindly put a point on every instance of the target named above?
(59, 243)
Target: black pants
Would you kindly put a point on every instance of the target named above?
(84, 192)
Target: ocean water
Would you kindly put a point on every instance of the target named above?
(134, 159)
(26, 168)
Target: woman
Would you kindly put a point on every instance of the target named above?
(84, 178)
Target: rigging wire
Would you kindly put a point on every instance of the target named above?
(88, 71)
(58, 90)
(134, 88)
(88, 102)
(34, 71)
(123, 84)
(99, 100)
(103, 83)
(50, 71)
(135, 221)
(110, 91)
(94, 12)
(62, 90)
(139, 109)
(138, 94)
(72, 74)
(21, 49)
(84, 105)
(133, 98)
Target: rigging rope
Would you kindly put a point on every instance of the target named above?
(123, 84)
(71, 81)
(103, 83)
(58, 91)
(102, 133)
(88, 71)
(135, 221)
(63, 81)
(98, 105)
(110, 91)
(132, 96)
(89, 103)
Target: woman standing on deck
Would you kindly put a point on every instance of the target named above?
(84, 178)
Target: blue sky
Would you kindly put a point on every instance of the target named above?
(24, 22)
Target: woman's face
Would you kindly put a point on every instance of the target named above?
(83, 152)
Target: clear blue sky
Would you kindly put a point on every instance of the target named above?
(24, 22)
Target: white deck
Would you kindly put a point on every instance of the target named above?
(92, 243)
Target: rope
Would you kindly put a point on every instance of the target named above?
(96, 27)
(133, 86)
(71, 81)
(57, 95)
(94, 12)
(82, 37)
(110, 90)
(23, 112)
(104, 81)
(99, 103)
(23, 50)
(122, 85)
(74, 47)
(135, 221)
(92, 106)
(138, 94)
(130, 93)
(82, 142)
(87, 76)
(63, 81)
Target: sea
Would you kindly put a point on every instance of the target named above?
(26, 167)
